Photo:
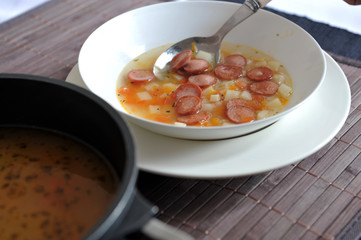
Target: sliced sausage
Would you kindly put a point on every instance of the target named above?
(182, 72)
(260, 73)
(227, 72)
(187, 89)
(237, 102)
(195, 66)
(140, 76)
(266, 88)
(187, 105)
(194, 118)
(181, 59)
(236, 60)
(256, 103)
(203, 80)
(241, 114)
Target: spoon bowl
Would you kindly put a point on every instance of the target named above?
(210, 45)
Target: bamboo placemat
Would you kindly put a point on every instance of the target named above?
(314, 199)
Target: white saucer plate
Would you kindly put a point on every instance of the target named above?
(289, 140)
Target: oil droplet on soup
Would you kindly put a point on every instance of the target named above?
(51, 186)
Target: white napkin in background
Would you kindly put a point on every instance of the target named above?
(12, 8)
(336, 13)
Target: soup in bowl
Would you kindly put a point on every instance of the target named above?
(111, 52)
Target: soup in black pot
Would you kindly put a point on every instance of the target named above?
(52, 186)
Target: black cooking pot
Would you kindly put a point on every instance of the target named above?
(33, 101)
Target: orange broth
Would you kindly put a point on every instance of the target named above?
(158, 103)
(51, 186)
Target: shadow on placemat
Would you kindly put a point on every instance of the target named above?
(353, 229)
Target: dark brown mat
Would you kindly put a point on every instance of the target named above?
(313, 199)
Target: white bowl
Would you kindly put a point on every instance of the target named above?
(114, 44)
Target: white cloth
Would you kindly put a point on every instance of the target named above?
(12, 8)
(336, 13)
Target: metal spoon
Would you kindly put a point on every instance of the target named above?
(209, 44)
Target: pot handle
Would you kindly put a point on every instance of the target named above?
(140, 216)
(159, 230)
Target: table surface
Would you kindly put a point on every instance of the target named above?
(315, 198)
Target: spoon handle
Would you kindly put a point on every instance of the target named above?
(247, 9)
(263, 3)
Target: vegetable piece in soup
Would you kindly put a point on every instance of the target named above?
(51, 186)
(196, 93)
